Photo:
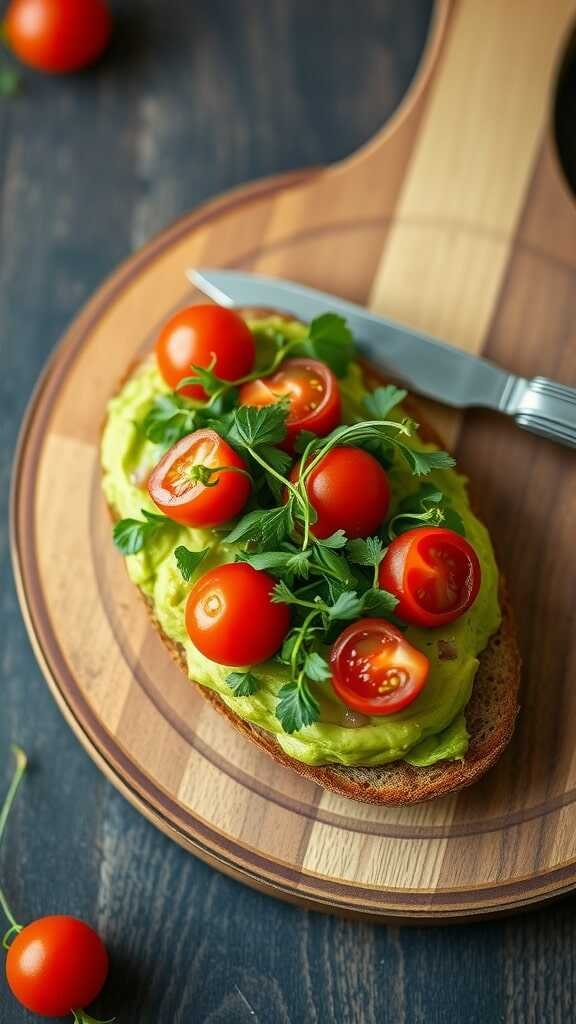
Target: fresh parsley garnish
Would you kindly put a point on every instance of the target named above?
(131, 535)
(368, 552)
(264, 528)
(254, 426)
(205, 378)
(296, 707)
(242, 684)
(316, 667)
(347, 606)
(421, 463)
(382, 400)
(330, 340)
(427, 507)
(378, 604)
(334, 541)
(326, 582)
(169, 419)
(188, 561)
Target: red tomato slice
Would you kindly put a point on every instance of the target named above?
(199, 336)
(375, 670)
(231, 618)
(349, 491)
(184, 498)
(434, 573)
(313, 392)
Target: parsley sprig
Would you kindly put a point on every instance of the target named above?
(255, 429)
(131, 535)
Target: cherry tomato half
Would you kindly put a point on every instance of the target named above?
(198, 336)
(58, 35)
(375, 670)
(55, 965)
(175, 486)
(434, 573)
(231, 618)
(313, 392)
(349, 491)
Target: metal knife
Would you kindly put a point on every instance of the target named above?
(424, 364)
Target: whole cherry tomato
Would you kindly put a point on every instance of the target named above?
(435, 574)
(375, 670)
(200, 481)
(201, 336)
(231, 618)
(349, 491)
(56, 965)
(312, 388)
(58, 35)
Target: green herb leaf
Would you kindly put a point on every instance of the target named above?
(204, 377)
(296, 707)
(283, 563)
(365, 552)
(303, 439)
(317, 668)
(188, 561)
(347, 606)
(334, 541)
(254, 426)
(287, 647)
(283, 595)
(378, 603)
(279, 460)
(131, 535)
(336, 566)
(379, 403)
(242, 684)
(155, 517)
(330, 340)
(427, 507)
(265, 527)
(453, 520)
(169, 419)
(422, 463)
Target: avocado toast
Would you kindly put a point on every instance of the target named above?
(459, 723)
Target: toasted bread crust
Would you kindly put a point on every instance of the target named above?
(490, 715)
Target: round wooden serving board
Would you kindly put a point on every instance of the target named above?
(456, 219)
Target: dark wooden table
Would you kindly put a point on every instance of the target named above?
(192, 99)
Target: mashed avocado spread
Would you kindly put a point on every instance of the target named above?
(431, 729)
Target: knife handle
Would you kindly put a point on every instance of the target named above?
(548, 409)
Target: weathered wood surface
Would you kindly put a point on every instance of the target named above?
(90, 169)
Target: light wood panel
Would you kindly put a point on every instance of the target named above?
(454, 218)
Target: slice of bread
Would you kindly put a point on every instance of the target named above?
(490, 714)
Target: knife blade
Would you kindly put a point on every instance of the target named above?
(423, 363)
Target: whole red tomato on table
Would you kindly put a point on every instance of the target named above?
(58, 36)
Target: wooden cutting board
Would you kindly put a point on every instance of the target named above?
(456, 219)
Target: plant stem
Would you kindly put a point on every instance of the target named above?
(21, 762)
(300, 640)
(282, 479)
(81, 1017)
(348, 431)
(256, 374)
